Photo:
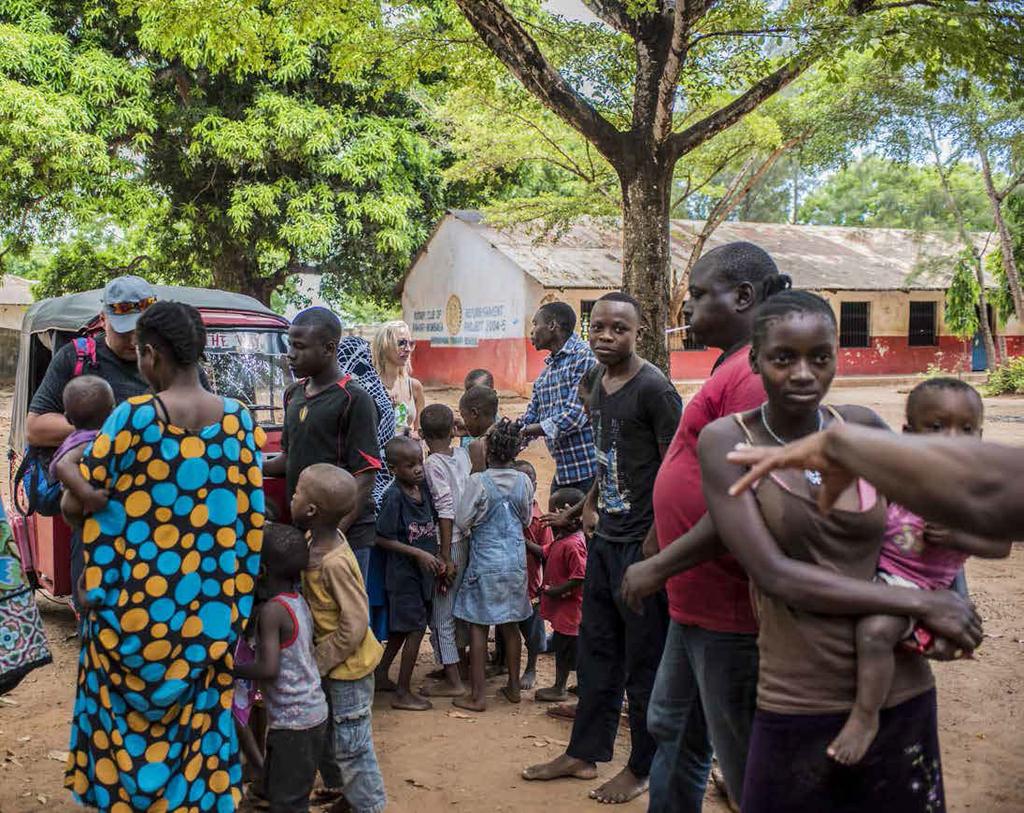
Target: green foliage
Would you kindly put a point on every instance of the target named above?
(1007, 378)
(961, 315)
(875, 192)
(1003, 298)
(269, 140)
(71, 114)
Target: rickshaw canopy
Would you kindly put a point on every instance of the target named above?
(74, 313)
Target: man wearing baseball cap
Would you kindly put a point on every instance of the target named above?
(124, 299)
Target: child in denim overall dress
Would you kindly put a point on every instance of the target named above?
(493, 511)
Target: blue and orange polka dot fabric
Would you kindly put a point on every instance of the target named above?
(170, 567)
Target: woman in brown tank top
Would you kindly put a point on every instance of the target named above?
(811, 578)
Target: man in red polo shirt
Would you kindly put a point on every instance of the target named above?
(705, 691)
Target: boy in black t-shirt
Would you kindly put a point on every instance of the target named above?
(329, 418)
(634, 410)
(407, 530)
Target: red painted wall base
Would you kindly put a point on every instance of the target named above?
(515, 363)
(447, 366)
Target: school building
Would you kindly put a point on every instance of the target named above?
(15, 298)
(471, 291)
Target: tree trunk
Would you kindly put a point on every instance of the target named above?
(992, 353)
(965, 238)
(675, 305)
(794, 208)
(1005, 241)
(645, 252)
(235, 271)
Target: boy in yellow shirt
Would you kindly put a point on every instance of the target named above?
(346, 651)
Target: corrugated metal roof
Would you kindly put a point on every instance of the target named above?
(588, 254)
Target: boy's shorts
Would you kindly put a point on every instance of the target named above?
(408, 610)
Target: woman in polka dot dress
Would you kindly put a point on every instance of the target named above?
(170, 565)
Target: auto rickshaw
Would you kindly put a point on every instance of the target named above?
(246, 348)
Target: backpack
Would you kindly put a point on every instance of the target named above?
(34, 491)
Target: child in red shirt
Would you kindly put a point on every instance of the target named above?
(561, 602)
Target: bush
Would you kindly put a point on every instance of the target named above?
(1007, 378)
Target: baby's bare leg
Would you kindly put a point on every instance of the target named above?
(877, 636)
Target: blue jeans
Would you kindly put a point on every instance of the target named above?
(349, 761)
(705, 694)
(363, 560)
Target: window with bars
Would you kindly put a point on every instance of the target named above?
(855, 324)
(586, 306)
(922, 325)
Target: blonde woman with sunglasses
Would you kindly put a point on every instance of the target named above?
(392, 357)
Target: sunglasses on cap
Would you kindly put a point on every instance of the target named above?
(121, 308)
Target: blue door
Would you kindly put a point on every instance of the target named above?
(979, 358)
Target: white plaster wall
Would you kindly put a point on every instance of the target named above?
(491, 289)
(11, 315)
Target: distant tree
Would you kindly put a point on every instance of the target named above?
(267, 142)
(877, 192)
(665, 77)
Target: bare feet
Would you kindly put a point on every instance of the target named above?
(552, 694)
(443, 689)
(563, 711)
(561, 767)
(511, 695)
(410, 701)
(496, 670)
(437, 674)
(528, 679)
(621, 788)
(856, 737)
(469, 703)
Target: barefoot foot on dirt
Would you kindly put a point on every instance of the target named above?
(854, 740)
(410, 701)
(497, 670)
(510, 694)
(469, 703)
(620, 789)
(551, 694)
(528, 679)
(563, 711)
(443, 689)
(561, 767)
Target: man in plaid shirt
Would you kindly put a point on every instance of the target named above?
(555, 410)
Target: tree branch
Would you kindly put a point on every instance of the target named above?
(510, 42)
(614, 14)
(1013, 183)
(696, 134)
(667, 85)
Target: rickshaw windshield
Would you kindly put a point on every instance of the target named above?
(251, 366)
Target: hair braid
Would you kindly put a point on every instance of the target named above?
(176, 328)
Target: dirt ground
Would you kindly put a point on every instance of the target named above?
(446, 760)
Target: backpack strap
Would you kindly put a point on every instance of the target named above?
(85, 353)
